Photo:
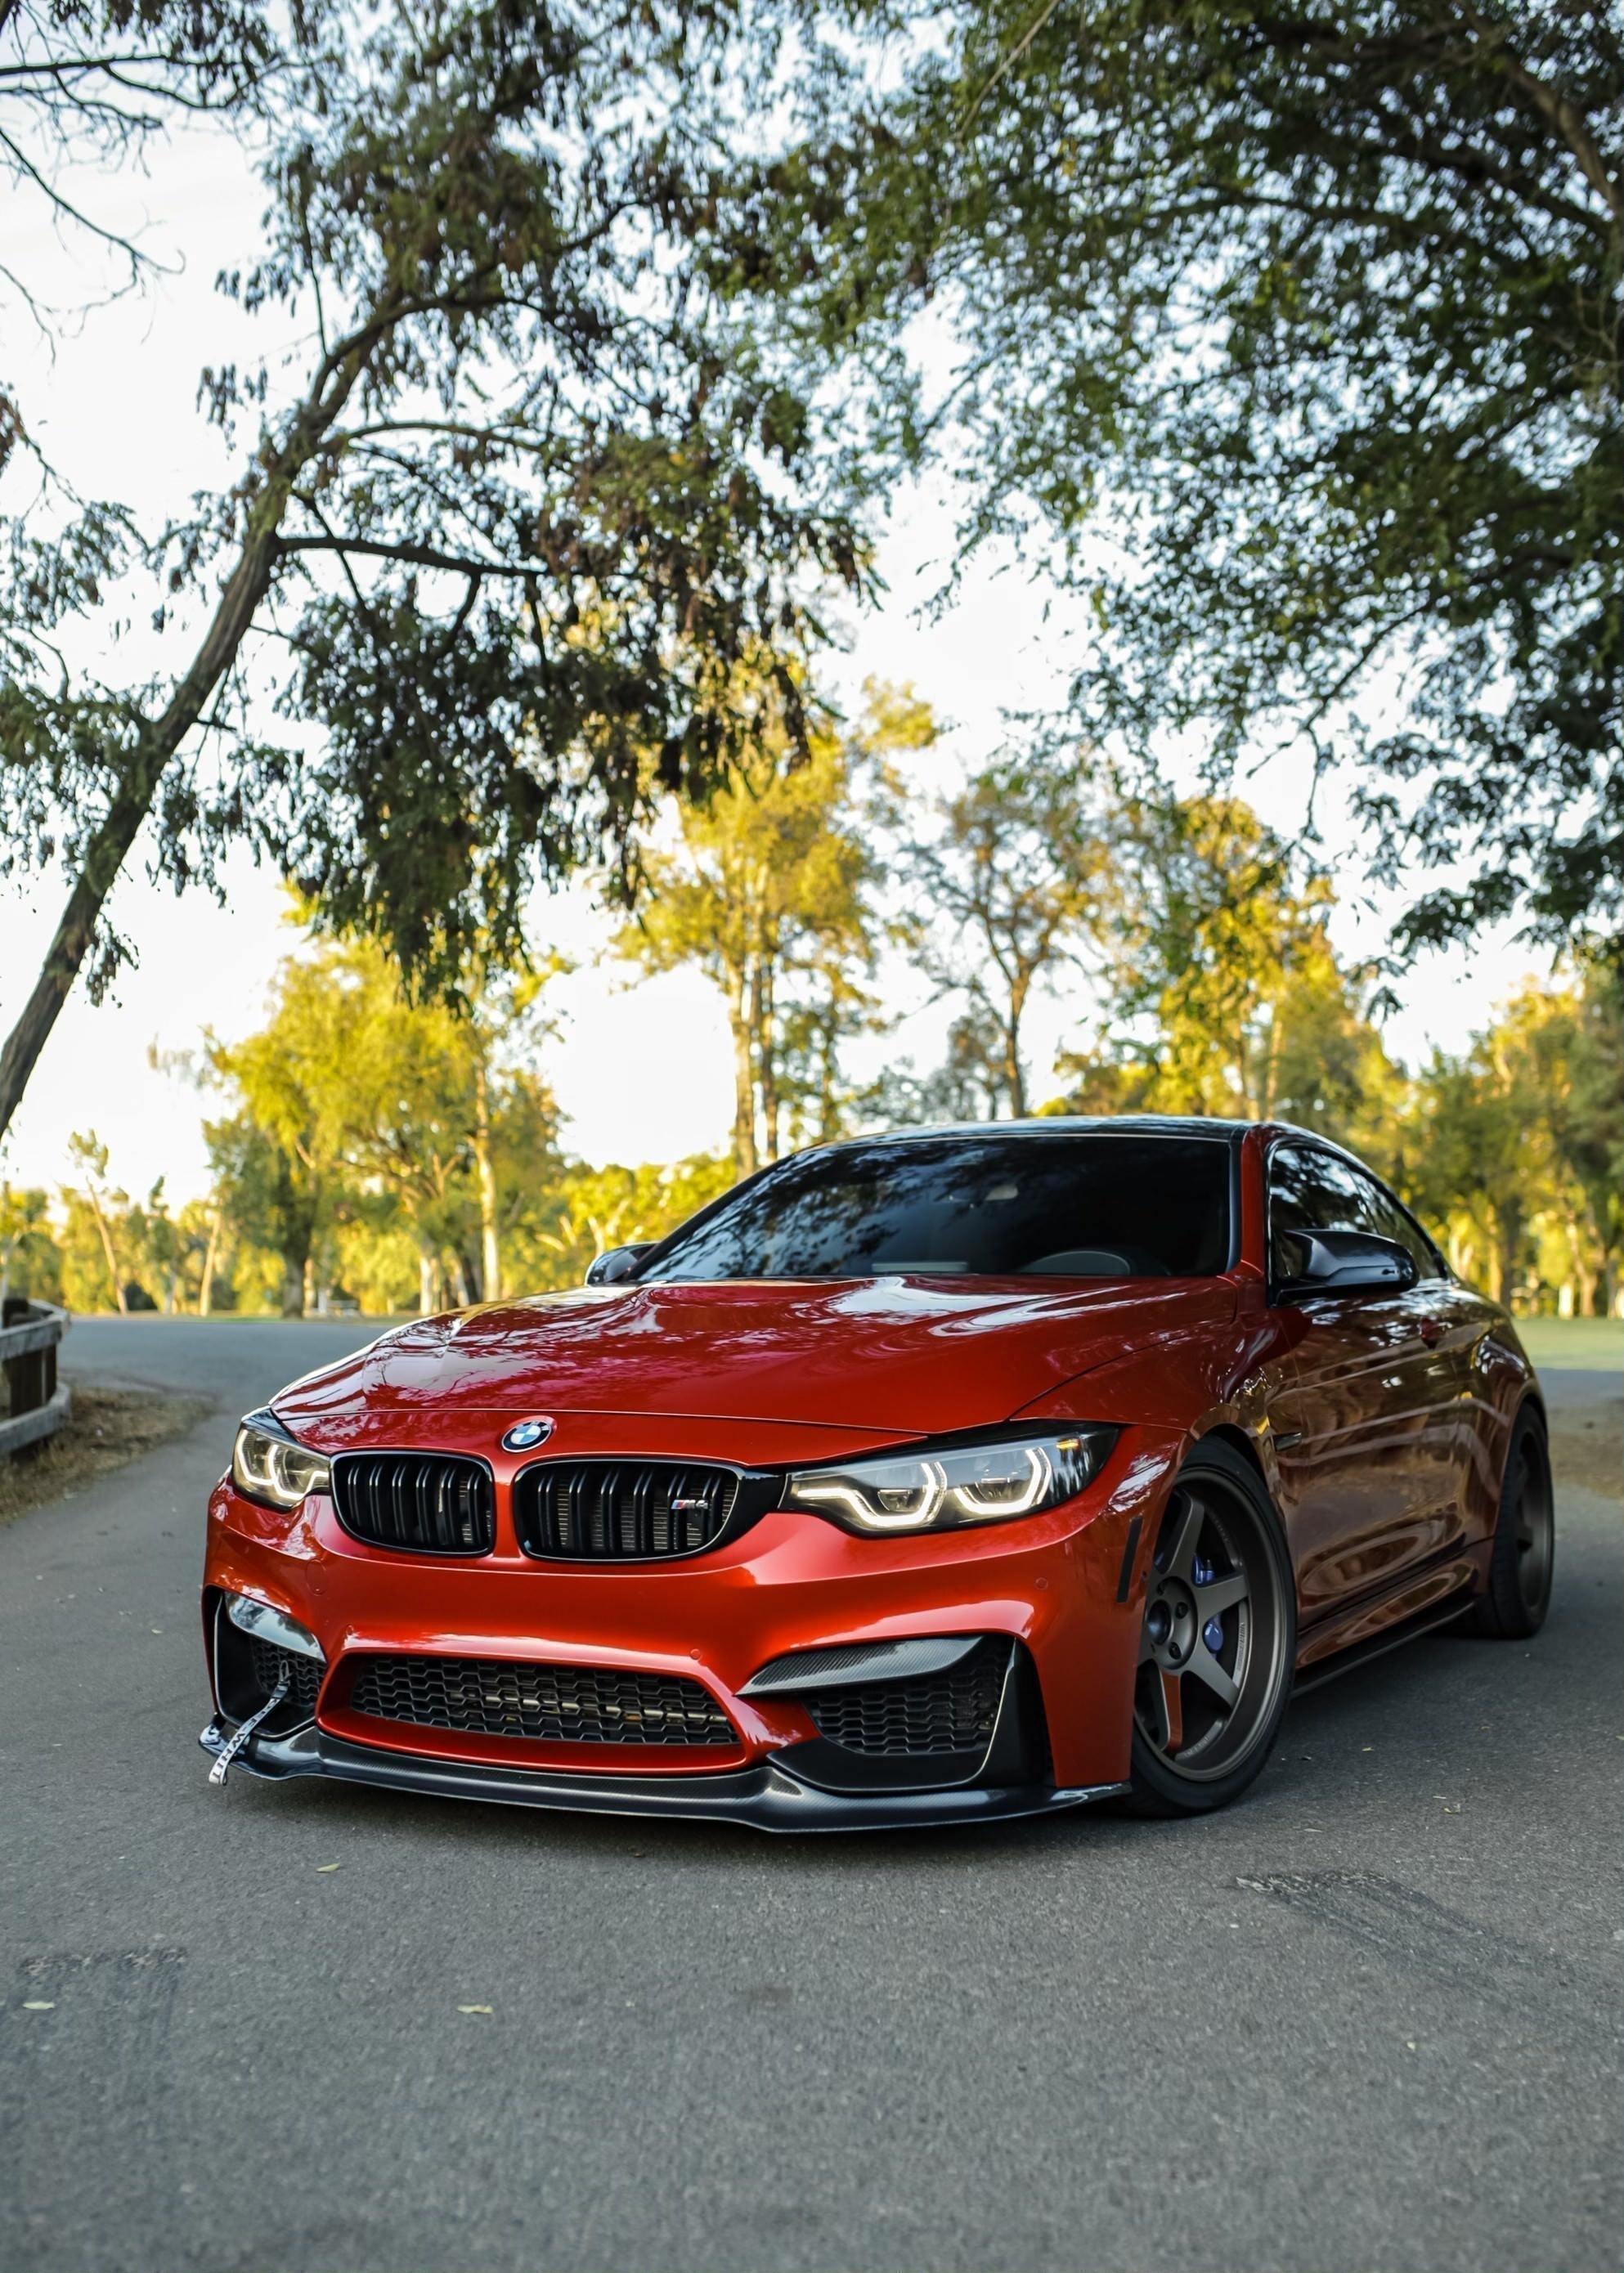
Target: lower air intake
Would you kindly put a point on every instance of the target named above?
(303, 1674)
(950, 1712)
(425, 1502)
(552, 1704)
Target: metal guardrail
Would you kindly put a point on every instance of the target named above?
(38, 1403)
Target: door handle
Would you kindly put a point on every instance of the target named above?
(1432, 1331)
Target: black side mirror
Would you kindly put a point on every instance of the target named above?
(1344, 1262)
(617, 1263)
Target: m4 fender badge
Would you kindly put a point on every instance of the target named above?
(524, 1436)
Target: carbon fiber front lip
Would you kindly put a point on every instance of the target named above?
(767, 1798)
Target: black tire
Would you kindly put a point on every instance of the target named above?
(1220, 1566)
(1514, 1603)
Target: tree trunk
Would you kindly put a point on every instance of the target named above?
(1507, 1245)
(490, 1248)
(425, 1282)
(744, 1081)
(149, 757)
(211, 1256)
(1014, 1073)
(104, 1231)
(767, 1057)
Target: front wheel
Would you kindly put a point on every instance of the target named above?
(1218, 1643)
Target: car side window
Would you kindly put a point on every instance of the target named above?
(1312, 1190)
(1394, 1222)
(1306, 1193)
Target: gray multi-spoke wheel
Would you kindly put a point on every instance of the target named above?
(1514, 1603)
(1217, 1642)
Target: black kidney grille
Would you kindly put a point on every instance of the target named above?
(556, 1704)
(428, 1503)
(621, 1511)
(950, 1712)
(270, 1664)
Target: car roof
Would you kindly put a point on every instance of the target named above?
(1109, 1124)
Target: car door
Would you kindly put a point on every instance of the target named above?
(1367, 1405)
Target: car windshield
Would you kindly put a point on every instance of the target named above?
(1065, 1206)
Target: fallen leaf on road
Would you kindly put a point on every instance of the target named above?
(33, 2005)
(476, 2008)
(329, 1866)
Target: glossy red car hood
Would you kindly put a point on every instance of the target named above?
(905, 1356)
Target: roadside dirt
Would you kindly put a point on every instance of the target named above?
(1587, 1447)
(109, 1428)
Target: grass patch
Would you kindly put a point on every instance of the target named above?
(1593, 1345)
(108, 1427)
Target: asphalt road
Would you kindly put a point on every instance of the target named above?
(1368, 2019)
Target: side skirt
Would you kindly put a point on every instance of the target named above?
(1394, 1636)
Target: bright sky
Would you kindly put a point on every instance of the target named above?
(642, 1071)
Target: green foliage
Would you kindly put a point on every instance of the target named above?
(593, 1209)
(1223, 964)
(533, 498)
(1311, 317)
(30, 1259)
(1515, 1145)
(367, 1123)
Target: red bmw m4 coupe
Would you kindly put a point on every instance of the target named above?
(923, 1478)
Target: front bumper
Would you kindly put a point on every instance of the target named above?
(1057, 1591)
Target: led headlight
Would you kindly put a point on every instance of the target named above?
(937, 1490)
(272, 1466)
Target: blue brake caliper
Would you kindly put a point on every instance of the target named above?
(1212, 1633)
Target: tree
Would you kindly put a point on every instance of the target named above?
(1589, 1120)
(768, 895)
(531, 499)
(350, 1094)
(592, 1209)
(1008, 881)
(1293, 338)
(1478, 1161)
(107, 1209)
(1521, 1134)
(97, 82)
(1223, 992)
(30, 1264)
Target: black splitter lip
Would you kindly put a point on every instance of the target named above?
(766, 1798)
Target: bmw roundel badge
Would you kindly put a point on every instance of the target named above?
(524, 1436)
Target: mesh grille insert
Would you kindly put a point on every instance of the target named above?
(621, 1511)
(556, 1704)
(428, 1503)
(304, 1674)
(950, 1712)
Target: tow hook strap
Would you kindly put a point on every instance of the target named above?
(222, 1767)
